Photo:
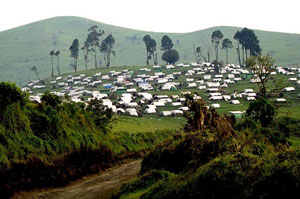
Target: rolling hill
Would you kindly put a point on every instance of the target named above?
(29, 45)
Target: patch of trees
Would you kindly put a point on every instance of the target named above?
(150, 49)
(107, 49)
(170, 56)
(249, 42)
(247, 45)
(92, 45)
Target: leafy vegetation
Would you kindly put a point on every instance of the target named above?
(55, 141)
(197, 165)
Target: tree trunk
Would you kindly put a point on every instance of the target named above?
(239, 53)
(243, 55)
(155, 58)
(104, 55)
(246, 52)
(95, 59)
(86, 59)
(208, 55)
(147, 58)
(226, 55)
(52, 73)
(37, 76)
(108, 59)
(216, 52)
(196, 58)
(58, 69)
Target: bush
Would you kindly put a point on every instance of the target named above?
(261, 110)
(9, 94)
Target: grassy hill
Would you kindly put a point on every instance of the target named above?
(29, 45)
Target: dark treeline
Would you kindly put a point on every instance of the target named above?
(95, 43)
(247, 45)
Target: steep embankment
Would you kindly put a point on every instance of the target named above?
(29, 45)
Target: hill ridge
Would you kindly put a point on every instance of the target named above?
(29, 45)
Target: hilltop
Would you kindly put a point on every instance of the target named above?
(29, 45)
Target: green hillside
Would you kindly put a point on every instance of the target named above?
(29, 45)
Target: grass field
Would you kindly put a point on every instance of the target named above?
(147, 123)
(29, 45)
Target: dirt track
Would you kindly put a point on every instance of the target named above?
(97, 186)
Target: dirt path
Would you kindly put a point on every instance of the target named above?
(97, 186)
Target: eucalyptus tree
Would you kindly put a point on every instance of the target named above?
(34, 69)
(86, 51)
(237, 38)
(74, 49)
(166, 43)
(52, 54)
(57, 53)
(146, 40)
(93, 39)
(216, 38)
(227, 44)
(106, 48)
(249, 42)
(199, 55)
(150, 49)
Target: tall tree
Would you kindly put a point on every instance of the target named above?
(74, 49)
(86, 51)
(93, 41)
(57, 53)
(166, 43)
(216, 38)
(34, 69)
(237, 38)
(106, 48)
(227, 44)
(199, 55)
(146, 40)
(51, 54)
(170, 56)
(262, 67)
(249, 41)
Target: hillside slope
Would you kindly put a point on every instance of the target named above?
(29, 45)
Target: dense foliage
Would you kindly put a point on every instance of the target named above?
(256, 161)
(197, 166)
(55, 141)
(170, 56)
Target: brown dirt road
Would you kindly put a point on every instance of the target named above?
(99, 186)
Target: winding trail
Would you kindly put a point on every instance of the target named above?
(100, 186)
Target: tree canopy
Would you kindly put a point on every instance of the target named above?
(166, 43)
(150, 49)
(74, 49)
(216, 38)
(106, 48)
(170, 56)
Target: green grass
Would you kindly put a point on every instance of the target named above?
(29, 45)
(295, 141)
(147, 123)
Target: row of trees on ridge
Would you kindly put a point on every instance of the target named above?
(247, 44)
